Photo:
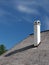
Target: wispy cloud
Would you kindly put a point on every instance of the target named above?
(28, 20)
(30, 7)
(34, 4)
(4, 12)
(27, 6)
(6, 17)
(26, 9)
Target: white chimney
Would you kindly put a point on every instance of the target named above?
(37, 35)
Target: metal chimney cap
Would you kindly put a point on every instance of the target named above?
(37, 22)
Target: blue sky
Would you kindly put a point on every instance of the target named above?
(17, 18)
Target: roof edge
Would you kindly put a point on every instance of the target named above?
(41, 32)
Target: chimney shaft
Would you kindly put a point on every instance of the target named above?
(37, 35)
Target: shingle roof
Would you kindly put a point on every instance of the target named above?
(25, 54)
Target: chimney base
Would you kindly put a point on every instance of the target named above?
(37, 45)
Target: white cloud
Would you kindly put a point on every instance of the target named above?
(34, 4)
(27, 9)
(28, 6)
(25, 6)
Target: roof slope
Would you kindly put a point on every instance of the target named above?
(25, 54)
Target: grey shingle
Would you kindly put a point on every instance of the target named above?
(25, 54)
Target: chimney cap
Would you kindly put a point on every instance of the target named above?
(37, 22)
